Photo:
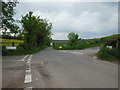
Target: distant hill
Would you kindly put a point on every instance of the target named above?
(60, 41)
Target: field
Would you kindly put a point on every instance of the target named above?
(81, 44)
(8, 42)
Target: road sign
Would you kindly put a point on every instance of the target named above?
(10, 48)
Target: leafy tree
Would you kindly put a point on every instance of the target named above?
(8, 22)
(73, 38)
(43, 32)
(36, 30)
(29, 23)
(96, 40)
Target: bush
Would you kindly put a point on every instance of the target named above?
(21, 51)
(25, 46)
(78, 46)
(109, 54)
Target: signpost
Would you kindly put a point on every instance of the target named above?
(110, 47)
(10, 48)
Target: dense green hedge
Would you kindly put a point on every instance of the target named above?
(80, 46)
(21, 51)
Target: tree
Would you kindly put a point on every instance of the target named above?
(8, 22)
(43, 33)
(73, 38)
(36, 30)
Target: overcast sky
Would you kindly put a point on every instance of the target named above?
(88, 19)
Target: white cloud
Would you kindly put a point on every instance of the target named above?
(84, 21)
(59, 36)
(93, 19)
(69, 0)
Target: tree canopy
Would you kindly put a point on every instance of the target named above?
(73, 38)
(8, 22)
(36, 30)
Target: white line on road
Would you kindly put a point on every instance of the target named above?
(28, 78)
(94, 57)
(73, 52)
(31, 56)
(24, 58)
(28, 88)
(10, 60)
(29, 59)
(28, 62)
(28, 68)
(78, 53)
(28, 71)
(81, 53)
(64, 51)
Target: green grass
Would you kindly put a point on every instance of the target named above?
(109, 54)
(112, 54)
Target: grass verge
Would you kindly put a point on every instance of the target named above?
(112, 54)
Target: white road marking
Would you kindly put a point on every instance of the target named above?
(81, 53)
(28, 78)
(28, 68)
(28, 71)
(64, 51)
(73, 52)
(78, 53)
(94, 57)
(28, 88)
(28, 61)
(24, 58)
(10, 60)
(31, 56)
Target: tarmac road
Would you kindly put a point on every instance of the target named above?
(59, 69)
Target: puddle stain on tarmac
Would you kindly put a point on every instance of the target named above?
(46, 77)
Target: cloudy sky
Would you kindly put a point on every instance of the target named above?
(88, 19)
